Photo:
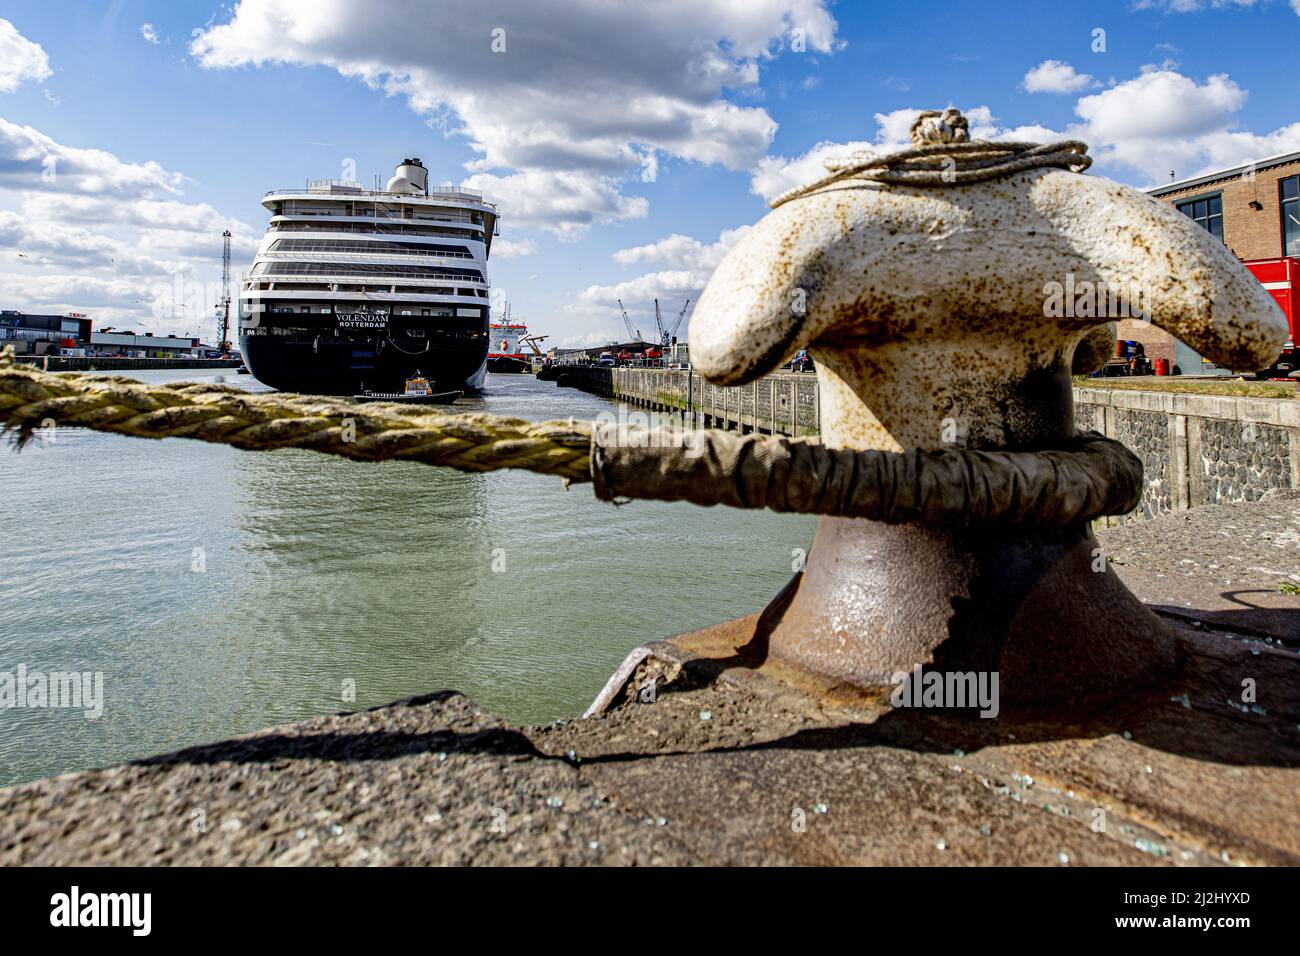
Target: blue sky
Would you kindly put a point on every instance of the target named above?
(627, 144)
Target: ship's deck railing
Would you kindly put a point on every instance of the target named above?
(339, 187)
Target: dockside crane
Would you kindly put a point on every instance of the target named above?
(672, 332)
(532, 342)
(223, 306)
(659, 323)
(634, 335)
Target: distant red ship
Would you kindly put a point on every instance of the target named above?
(505, 350)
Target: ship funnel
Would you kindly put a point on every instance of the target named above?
(411, 177)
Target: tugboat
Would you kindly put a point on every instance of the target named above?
(354, 285)
(418, 391)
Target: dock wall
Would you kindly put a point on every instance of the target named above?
(1195, 449)
(87, 363)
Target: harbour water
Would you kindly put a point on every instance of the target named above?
(219, 591)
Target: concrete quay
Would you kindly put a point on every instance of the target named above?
(88, 363)
(722, 764)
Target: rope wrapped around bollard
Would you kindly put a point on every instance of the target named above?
(1093, 477)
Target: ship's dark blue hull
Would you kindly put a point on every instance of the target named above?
(327, 365)
(508, 363)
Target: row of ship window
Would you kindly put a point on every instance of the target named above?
(378, 310)
(365, 210)
(375, 247)
(377, 230)
(365, 269)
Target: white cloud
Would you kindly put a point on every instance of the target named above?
(1192, 6)
(1160, 105)
(87, 231)
(1157, 121)
(1054, 76)
(686, 264)
(562, 115)
(1162, 120)
(777, 174)
(31, 160)
(513, 248)
(20, 59)
(644, 288)
(562, 202)
(590, 339)
(149, 33)
(683, 252)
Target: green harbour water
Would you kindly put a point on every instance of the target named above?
(221, 592)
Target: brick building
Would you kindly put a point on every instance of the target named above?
(1254, 208)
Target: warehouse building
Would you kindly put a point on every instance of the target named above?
(38, 334)
(1253, 208)
(71, 333)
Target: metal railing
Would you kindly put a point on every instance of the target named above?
(318, 187)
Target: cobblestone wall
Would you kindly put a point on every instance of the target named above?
(1146, 434)
(1240, 461)
(1199, 449)
(1089, 418)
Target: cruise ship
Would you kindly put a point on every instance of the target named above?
(356, 291)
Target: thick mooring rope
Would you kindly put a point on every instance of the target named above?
(941, 155)
(1092, 477)
(30, 400)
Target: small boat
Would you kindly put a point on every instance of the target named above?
(418, 391)
(242, 370)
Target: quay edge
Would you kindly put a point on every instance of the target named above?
(86, 363)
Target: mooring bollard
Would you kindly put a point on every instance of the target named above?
(943, 292)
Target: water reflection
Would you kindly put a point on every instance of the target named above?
(315, 571)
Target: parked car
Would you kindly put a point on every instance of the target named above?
(802, 362)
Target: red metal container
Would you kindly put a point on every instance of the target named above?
(1278, 277)
(1161, 366)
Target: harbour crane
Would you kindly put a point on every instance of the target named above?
(633, 334)
(672, 332)
(531, 341)
(223, 306)
(659, 322)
